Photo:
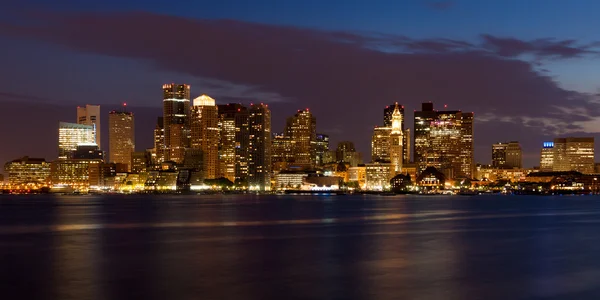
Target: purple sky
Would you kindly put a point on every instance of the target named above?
(526, 69)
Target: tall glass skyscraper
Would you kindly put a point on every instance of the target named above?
(176, 120)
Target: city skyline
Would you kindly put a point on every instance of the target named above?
(535, 84)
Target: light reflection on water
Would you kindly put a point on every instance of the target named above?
(248, 247)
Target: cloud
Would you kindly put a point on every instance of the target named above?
(512, 47)
(440, 5)
(345, 77)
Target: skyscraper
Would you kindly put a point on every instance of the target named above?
(281, 152)
(574, 154)
(396, 139)
(321, 147)
(547, 157)
(343, 148)
(380, 144)
(422, 123)
(176, 120)
(205, 133)
(506, 155)
(90, 115)
(499, 155)
(233, 148)
(259, 147)
(71, 135)
(159, 142)
(444, 140)
(121, 137)
(301, 128)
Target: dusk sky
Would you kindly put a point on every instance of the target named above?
(527, 69)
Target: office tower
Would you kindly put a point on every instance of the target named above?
(282, 152)
(396, 139)
(121, 137)
(88, 151)
(574, 154)
(259, 147)
(70, 135)
(90, 115)
(380, 144)
(205, 133)
(342, 150)
(514, 155)
(302, 129)
(176, 121)
(27, 170)
(321, 147)
(387, 122)
(159, 142)
(422, 123)
(233, 148)
(506, 155)
(547, 157)
(79, 174)
(140, 161)
(406, 146)
(499, 155)
(444, 140)
(467, 152)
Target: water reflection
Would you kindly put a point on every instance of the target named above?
(238, 247)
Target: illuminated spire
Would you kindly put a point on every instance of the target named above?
(396, 120)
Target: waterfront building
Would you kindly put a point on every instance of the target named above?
(547, 157)
(176, 121)
(233, 146)
(27, 170)
(507, 155)
(259, 147)
(90, 116)
(282, 152)
(573, 154)
(159, 142)
(358, 174)
(301, 128)
(444, 140)
(396, 138)
(88, 151)
(79, 174)
(321, 148)
(140, 161)
(380, 144)
(121, 136)
(378, 176)
(205, 134)
(70, 135)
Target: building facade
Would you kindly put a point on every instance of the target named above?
(574, 154)
(444, 140)
(282, 152)
(176, 121)
(321, 147)
(233, 147)
(205, 133)
(507, 155)
(547, 157)
(90, 115)
(259, 147)
(121, 137)
(27, 170)
(301, 128)
(70, 135)
(380, 144)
